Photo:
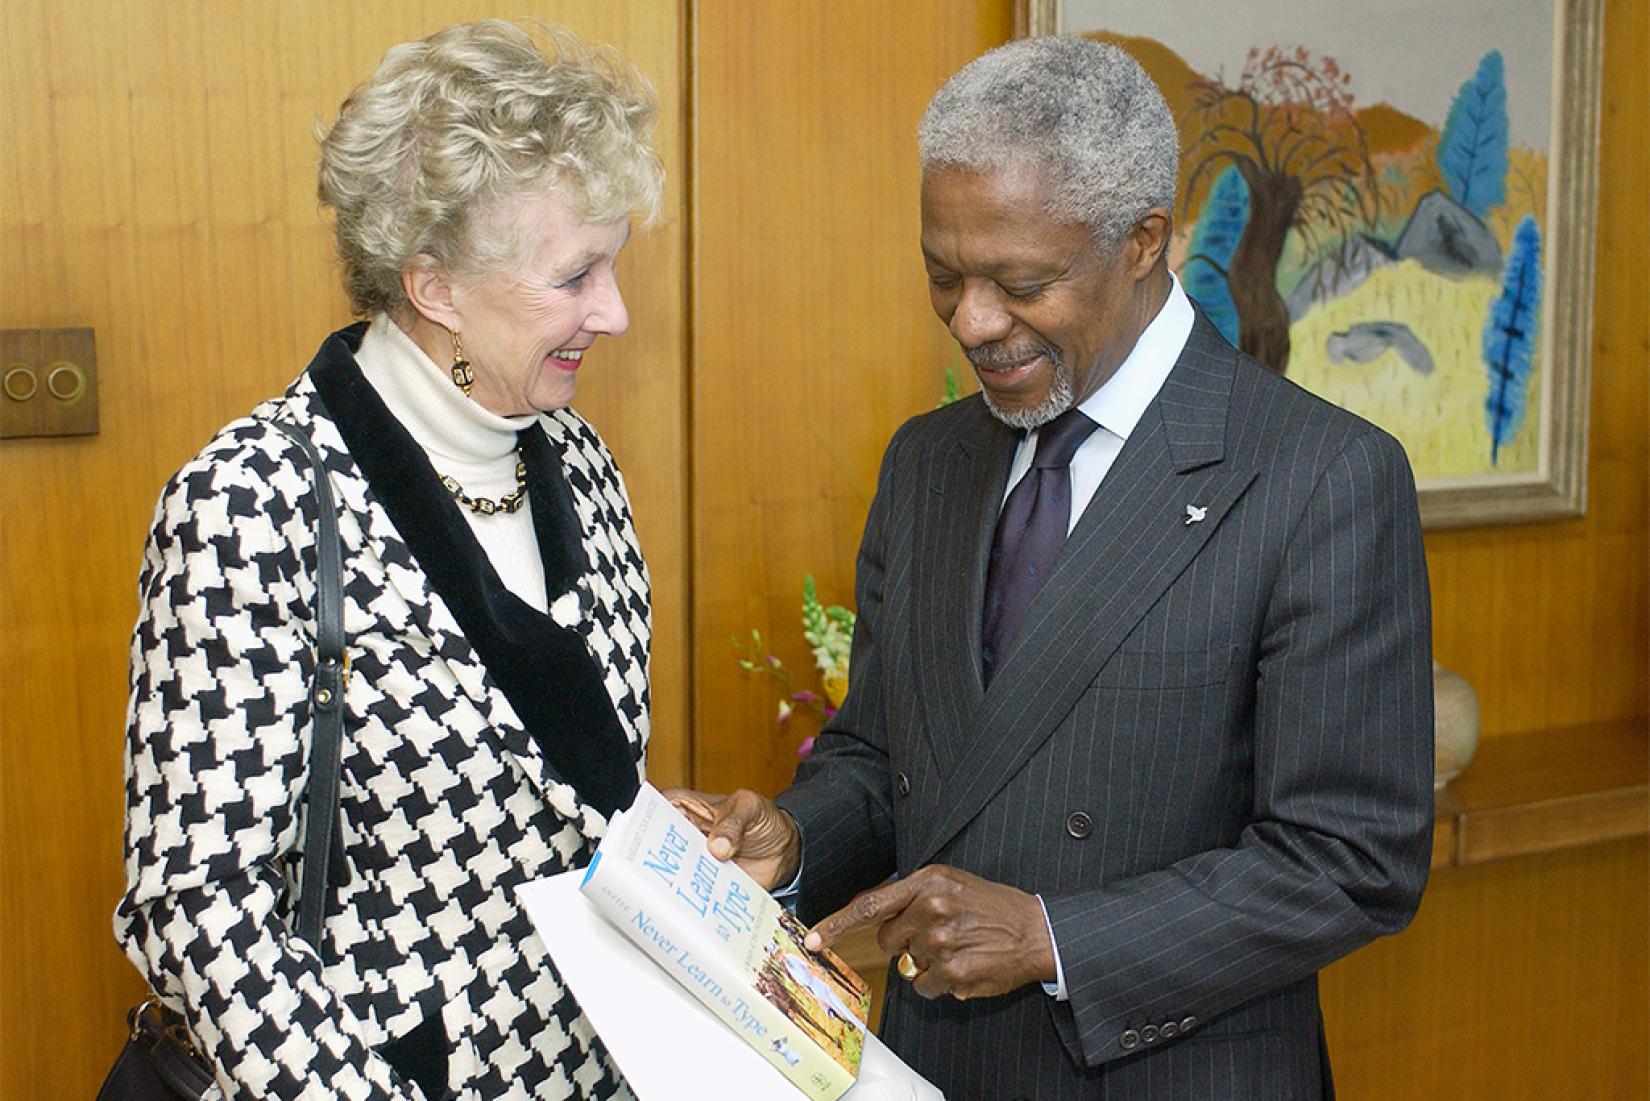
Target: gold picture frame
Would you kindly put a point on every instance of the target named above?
(1551, 483)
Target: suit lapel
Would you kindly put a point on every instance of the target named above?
(1130, 545)
(955, 522)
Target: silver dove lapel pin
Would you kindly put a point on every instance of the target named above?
(1195, 514)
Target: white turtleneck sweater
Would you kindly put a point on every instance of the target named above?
(474, 447)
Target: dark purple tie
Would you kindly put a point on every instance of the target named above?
(1029, 533)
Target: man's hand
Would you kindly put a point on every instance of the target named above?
(969, 937)
(747, 828)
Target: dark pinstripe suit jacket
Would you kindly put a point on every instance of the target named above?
(1209, 750)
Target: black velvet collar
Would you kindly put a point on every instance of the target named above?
(544, 670)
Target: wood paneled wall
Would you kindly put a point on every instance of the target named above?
(1521, 980)
(813, 337)
(157, 183)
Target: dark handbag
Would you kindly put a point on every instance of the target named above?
(158, 1060)
(159, 1063)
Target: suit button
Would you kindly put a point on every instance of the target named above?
(1188, 1023)
(1149, 1034)
(1079, 825)
(1170, 1030)
(902, 783)
(1130, 1040)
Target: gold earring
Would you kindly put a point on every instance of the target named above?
(463, 377)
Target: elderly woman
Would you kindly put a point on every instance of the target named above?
(495, 605)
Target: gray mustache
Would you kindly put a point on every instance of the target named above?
(988, 356)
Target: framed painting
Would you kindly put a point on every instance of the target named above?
(1393, 204)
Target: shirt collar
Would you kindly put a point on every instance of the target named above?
(1122, 399)
(423, 398)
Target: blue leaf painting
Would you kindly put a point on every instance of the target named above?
(1509, 337)
(1209, 256)
(1472, 153)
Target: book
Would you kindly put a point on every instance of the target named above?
(725, 939)
(666, 1043)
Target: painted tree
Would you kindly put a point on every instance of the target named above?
(1472, 153)
(1214, 240)
(1289, 128)
(1509, 338)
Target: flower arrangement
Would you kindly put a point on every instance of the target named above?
(829, 631)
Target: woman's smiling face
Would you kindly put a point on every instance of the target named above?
(525, 331)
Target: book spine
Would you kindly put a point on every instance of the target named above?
(633, 904)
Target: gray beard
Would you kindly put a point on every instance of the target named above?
(1059, 399)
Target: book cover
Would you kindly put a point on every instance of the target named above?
(726, 940)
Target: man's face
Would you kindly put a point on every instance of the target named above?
(1044, 313)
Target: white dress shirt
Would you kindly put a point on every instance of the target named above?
(1119, 403)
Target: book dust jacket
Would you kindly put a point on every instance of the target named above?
(718, 933)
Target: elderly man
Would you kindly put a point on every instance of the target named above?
(1140, 714)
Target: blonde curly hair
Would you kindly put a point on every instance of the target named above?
(476, 114)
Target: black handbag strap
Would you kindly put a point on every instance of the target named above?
(323, 844)
(158, 1054)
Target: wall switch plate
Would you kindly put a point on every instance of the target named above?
(48, 383)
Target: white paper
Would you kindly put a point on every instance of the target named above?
(670, 1047)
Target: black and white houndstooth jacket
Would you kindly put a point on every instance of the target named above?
(430, 982)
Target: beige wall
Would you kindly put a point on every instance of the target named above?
(155, 183)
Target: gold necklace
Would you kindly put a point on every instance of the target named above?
(486, 506)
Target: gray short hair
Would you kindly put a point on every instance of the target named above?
(474, 114)
(1085, 112)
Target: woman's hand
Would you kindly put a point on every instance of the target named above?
(748, 829)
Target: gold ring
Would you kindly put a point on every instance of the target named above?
(907, 966)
